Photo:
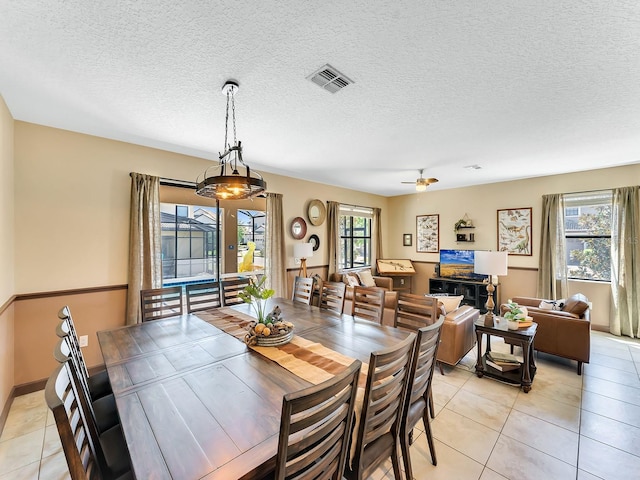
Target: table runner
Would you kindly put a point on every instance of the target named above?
(308, 360)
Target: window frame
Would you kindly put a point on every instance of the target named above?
(347, 237)
(581, 201)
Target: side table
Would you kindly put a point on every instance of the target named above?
(524, 337)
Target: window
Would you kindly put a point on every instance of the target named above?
(588, 235)
(189, 240)
(355, 237)
(251, 225)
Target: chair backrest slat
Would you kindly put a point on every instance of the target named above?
(368, 303)
(303, 290)
(332, 296)
(416, 311)
(203, 296)
(231, 288)
(158, 303)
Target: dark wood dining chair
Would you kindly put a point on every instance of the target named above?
(303, 290)
(203, 296)
(230, 289)
(418, 396)
(98, 383)
(103, 411)
(332, 296)
(368, 303)
(381, 414)
(414, 312)
(315, 428)
(88, 456)
(158, 303)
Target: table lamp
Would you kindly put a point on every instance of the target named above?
(303, 251)
(491, 264)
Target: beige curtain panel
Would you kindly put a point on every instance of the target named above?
(552, 269)
(275, 255)
(333, 226)
(625, 262)
(145, 258)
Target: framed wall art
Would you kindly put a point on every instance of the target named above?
(407, 240)
(428, 233)
(514, 231)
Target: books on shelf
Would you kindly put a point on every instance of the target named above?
(503, 357)
(503, 367)
(503, 362)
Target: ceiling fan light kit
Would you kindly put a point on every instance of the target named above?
(422, 183)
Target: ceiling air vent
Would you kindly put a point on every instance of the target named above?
(330, 79)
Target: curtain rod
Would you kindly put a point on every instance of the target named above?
(172, 182)
(591, 191)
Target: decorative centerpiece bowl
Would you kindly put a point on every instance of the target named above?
(268, 330)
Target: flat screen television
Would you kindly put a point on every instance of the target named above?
(458, 264)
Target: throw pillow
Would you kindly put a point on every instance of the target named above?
(450, 303)
(577, 304)
(547, 304)
(366, 279)
(350, 280)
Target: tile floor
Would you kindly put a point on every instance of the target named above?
(568, 427)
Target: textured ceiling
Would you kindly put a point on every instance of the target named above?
(521, 89)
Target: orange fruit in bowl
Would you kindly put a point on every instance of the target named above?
(266, 332)
(259, 328)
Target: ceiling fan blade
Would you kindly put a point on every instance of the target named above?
(409, 183)
(431, 180)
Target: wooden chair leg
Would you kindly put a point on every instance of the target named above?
(406, 439)
(512, 349)
(395, 460)
(579, 368)
(427, 432)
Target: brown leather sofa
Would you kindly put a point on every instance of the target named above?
(565, 332)
(390, 297)
(458, 334)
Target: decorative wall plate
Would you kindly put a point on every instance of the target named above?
(316, 212)
(315, 240)
(298, 228)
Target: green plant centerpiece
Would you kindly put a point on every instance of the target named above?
(515, 314)
(270, 329)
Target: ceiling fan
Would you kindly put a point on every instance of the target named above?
(422, 183)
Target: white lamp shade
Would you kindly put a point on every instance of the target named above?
(302, 250)
(490, 263)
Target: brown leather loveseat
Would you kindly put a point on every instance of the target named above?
(564, 332)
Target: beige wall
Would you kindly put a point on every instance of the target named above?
(73, 190)
(481, 203)
(6, 253)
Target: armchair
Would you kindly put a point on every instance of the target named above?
(565, 332)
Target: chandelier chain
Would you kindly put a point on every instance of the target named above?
(226, 123)
(233, 111)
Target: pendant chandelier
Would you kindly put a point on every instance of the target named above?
(234, 179)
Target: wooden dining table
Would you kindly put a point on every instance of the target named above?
(196, 402)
